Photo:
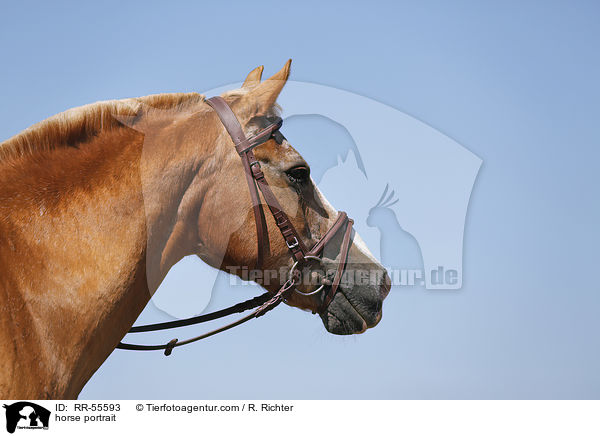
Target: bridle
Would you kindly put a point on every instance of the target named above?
(301, 255)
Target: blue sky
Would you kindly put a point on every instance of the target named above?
(515, 83)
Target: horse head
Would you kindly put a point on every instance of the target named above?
(215, 218)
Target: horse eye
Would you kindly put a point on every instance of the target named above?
(299, 174)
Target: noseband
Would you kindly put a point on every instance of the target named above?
(301, 255)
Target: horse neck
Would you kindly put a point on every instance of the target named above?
(73, 244)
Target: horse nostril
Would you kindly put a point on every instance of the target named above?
(386, 285)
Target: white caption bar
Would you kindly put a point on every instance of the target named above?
(304, 417)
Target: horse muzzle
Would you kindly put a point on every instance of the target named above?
(357, 306)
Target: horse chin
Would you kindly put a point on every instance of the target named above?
(353, 311)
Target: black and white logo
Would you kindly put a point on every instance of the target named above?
(26, 415)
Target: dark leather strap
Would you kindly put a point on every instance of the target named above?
(233, 127)
(270, 304)
(289, 233)
(261, 136)
(229, 120)
(341, 220)
(344, 250)
(254, 173)
(237, 308)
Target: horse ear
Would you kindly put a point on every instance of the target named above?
(266, 93)
(253, 78)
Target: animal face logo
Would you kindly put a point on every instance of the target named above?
(26, 415)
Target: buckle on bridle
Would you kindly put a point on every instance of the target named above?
(293, 244)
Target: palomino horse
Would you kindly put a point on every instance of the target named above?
(99, 202)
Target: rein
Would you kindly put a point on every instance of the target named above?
(301, 255)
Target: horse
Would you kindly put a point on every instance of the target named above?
(99, 202)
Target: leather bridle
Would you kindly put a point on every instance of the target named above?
(301, 255)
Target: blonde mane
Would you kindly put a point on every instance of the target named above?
(77, 125)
